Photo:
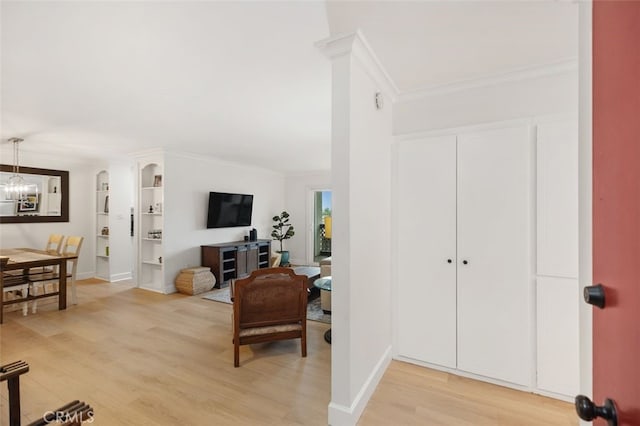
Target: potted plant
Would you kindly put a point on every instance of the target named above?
(282, 230)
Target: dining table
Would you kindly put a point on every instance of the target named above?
(26, 259)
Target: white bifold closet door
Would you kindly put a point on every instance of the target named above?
(494, 254)
(464, 258)
(426, 233)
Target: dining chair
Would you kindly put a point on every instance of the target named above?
(54, 243)
(14, 284)
(72, 246)
(13, 279)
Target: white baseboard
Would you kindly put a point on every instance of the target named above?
(461, 373)
(554, 395)
(341, 415)
(113, 278)
(121, 277)
(85, 275)
(154, 290)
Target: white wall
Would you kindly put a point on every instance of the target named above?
(187, 181)
(298, 188)
(361, 176)
(544, 95)
(369, 227)
(185, 225)
(81, 209)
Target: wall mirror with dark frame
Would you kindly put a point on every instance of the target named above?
(46, 201)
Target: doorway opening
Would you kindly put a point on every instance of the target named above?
(321, 225)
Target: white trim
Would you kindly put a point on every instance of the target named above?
(466, 374)
(533, 254)
(561, 277)
(87, 275)
(461, 373)
(141, 155)
(343, 44)
(528, 73)
(554, 395)
(154, 290)
(216, 160)
(338, 45)
(585, 177)
(395, 245)
(516, 122)
(121, 277)
(341, 415)
(356, 44)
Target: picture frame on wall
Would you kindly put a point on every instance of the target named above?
(28, 204)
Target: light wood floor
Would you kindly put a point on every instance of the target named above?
(141, 358)
(412, 395)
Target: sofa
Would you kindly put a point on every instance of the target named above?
(325, 296)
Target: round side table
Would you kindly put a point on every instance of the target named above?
(324, 283)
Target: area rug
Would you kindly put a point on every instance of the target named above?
(314, 311)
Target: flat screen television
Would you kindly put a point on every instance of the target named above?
(228, 210)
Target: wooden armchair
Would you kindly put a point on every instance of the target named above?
(270, 304)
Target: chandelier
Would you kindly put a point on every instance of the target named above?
(16, 187)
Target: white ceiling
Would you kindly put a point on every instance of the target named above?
(241, 81)
(428, 44)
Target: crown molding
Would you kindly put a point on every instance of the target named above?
(533, 120)
(356, 44)
(147, 153)
(337, 45)
(519, 74)
(212, 159)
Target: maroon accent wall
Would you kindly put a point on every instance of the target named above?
(616, 205)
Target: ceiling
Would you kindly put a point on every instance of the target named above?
(241, 81)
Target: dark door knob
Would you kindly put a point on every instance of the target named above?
(594, 295)
(588, 411)
(449, 260)
(464, 262)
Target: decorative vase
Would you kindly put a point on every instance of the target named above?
(284, 260)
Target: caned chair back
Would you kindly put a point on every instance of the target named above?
(270, 304)
(54, 243)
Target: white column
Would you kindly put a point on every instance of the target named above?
(361, 258)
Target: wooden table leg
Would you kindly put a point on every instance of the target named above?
(14, 401)
(3, 262)
(1, 304)
(62, 286)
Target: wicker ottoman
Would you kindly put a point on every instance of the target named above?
(195, 280)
